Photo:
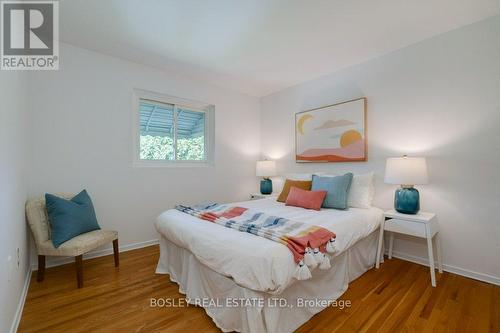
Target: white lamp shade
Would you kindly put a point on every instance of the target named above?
(266, 168)
(406, 170)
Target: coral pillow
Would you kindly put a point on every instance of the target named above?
(302, 184)
(305, 199)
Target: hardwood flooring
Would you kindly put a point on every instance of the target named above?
(397, 297)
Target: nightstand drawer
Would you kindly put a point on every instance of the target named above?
(405, 227)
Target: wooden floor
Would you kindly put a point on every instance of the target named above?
(397, 297)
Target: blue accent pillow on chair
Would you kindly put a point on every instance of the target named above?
(337, 188)
(70, 218)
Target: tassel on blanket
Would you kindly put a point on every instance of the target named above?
(330, 246)
(309, 259)
(302, 272)
(325, 262)
(317, 255)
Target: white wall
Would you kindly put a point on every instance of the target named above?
(14, 152)
(439, 98)
(82, 138)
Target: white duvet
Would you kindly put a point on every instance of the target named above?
(255, 262)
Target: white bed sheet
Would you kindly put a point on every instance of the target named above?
(254, 262)
(200, 283)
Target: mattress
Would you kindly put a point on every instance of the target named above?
(253, 262)
(213, 291)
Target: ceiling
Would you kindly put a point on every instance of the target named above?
(260, 46)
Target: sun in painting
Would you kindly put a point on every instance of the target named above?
(349, 137)
(301, 121)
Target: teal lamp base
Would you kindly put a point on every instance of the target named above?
(266, 186)
(407, 200)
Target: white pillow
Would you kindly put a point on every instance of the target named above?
(279, 182)
(299, 176)
(361, 191)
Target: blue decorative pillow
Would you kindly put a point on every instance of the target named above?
(70, 218)
(337, 188)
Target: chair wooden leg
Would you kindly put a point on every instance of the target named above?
(79, 270)
(41, 268)
(116, 253)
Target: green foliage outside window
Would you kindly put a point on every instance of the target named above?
(162, 148)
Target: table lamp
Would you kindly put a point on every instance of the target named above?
(266, 169)
(407, 172)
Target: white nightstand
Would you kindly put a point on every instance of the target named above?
(257, 195)
(423, 225)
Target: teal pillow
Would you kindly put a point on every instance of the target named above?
(337, 189)
(70, 218)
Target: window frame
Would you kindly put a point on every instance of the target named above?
(209, 135)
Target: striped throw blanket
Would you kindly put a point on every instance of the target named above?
(309, 244)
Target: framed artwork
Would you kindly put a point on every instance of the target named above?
(333, 133)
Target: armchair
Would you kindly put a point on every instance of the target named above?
(38, 221)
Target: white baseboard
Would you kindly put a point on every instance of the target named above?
(449, 268)
(58, 261)
(20, 306)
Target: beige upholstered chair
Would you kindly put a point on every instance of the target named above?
(36, 214)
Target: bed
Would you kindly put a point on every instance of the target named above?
(210, 262)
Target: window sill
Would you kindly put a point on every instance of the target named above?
(171, 164)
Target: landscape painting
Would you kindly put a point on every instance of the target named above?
(334, 133)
